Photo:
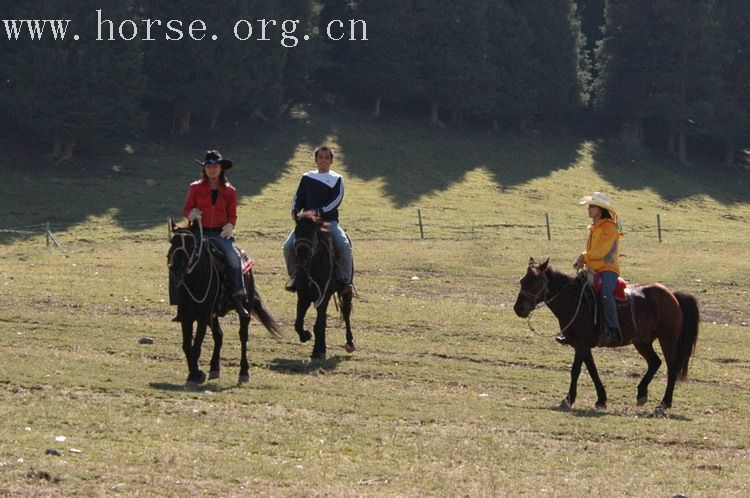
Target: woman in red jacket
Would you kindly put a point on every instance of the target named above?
(213, 201)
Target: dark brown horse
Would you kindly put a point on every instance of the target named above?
(655, 313)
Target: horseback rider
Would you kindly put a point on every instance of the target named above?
(318, 197)
(602, 255)
(213, 201)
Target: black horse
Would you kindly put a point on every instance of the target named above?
(652, 312)
(315, 281)
(201, 280)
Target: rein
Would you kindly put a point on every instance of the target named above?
(546, 301)
(193, 259)
(312, 246)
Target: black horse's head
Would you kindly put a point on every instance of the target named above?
(183, 250)
(307, 236)
(534, 286)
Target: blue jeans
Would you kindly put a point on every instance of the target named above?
(343, 251)
(609, 281)
(233, 261)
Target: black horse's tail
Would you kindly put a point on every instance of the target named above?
(689, 336)
(265, 316)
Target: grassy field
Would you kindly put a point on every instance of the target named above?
(448, 394)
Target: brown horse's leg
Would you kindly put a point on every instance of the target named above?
(668, 335)
(197, 376)
(646, 349)
(601, 394)
(575, 372)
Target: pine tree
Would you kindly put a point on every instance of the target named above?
(660, 59)
(733, 108)
(71, 92)
(450, 54)
(381, 66)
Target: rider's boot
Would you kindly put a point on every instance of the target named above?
(239, 305)
(610, 337)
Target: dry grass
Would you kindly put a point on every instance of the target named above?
(448, 394)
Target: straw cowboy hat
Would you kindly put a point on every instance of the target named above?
(598, 199)
(214, 157)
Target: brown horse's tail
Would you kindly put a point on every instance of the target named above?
(689, 336)
(265, 316)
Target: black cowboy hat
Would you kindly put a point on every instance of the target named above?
(214, 157)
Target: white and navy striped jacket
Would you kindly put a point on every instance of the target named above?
(322, 192)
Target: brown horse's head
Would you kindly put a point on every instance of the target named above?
(534, 287)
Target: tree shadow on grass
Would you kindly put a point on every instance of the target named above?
(416, 160)
(630, 169)
(141, 189)
(306, 367)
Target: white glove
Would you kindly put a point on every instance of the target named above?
(194, 214)
(227, 230)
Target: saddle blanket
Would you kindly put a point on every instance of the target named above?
(246, 260)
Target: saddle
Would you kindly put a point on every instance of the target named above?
(245, 259)
(223, 302)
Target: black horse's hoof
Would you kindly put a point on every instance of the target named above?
(318, 357)
(305, 336)
(214, 374)
(349, 347)
(196, 380)
(243, 379)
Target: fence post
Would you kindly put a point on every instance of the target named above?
(421, 228)
(549, 234)
(658, 225)
(46, 233)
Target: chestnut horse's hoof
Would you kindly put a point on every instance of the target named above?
(305, 336)
(244, 379)
(349, 347)
(214, 374)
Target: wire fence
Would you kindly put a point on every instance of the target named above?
(421, 226)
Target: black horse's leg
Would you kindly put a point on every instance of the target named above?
(601, 394)
(646, 349)
(299, 323)
(187, 344)
(218, 336)
(346, 310)
(198, 376)
(575, 371)
(319, 349)
(244, 364)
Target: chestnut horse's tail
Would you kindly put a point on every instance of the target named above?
(265, 316)
(689, 335)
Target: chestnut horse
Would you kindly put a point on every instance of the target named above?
(654, 313)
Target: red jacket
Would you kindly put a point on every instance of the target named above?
(212, 215)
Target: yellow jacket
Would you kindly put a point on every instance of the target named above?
(602, 248)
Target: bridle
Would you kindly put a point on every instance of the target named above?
(537, 303)
(193, 258)
(311, 244)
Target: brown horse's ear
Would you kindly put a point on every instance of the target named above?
(531, 261)
(543, 266)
